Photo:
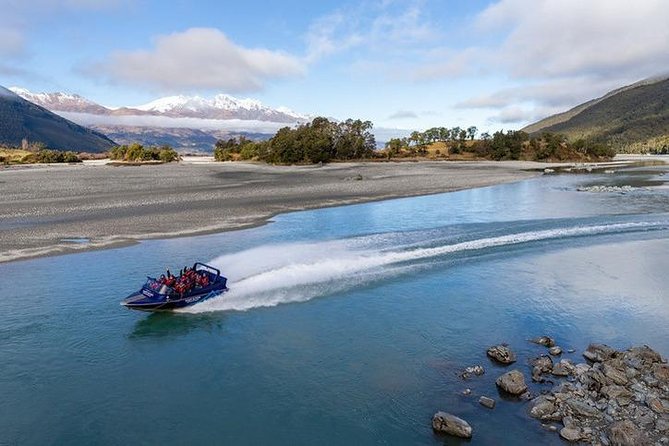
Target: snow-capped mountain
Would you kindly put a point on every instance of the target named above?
(220, 107)
(60, 101)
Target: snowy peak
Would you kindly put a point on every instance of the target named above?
(221, 106)
(60, 101)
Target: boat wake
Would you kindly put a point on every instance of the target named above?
(271, 275)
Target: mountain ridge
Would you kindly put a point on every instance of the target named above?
(630, 115)
(220, 107)
(23, 120)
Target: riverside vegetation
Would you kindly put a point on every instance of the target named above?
(323, 140)
(39, 155)
(139, 153)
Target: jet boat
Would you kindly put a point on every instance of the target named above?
(157, 296)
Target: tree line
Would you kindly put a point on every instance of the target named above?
(320, 140)
(501, 145)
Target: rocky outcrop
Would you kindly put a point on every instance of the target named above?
(618, 398)
(447, 423)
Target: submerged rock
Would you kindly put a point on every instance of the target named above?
(512, 382)
(487, 402)
(546, 341)
(476, 370)
(501, 354)
(555, 351)
(447, 423)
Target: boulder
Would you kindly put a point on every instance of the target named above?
(657, 405)
(571, 433)
(662, 424)
(661, 372)
(487, 402)
(544, 409)
(541, 365)
(598, 352)
(501, 354)
(563, 368)
(544, 363)
(546, 341)
(447, 423)
(624, 433)
(614, 374)
(512, 382)
(582, 409)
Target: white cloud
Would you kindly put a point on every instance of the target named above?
(550, 93)
(87, 119)
(17, 17)
(605, 38)
(403, 114)
(387, 28)
(559, 53)
(198, 58)
(12, 42)
(520, 115)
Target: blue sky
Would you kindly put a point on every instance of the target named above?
(404, 64)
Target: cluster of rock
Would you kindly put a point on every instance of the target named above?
(607, 189)
(617, 398)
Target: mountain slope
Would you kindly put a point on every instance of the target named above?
(21, 119)
(626, 116)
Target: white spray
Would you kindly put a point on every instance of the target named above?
(275, 274)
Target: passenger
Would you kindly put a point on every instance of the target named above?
(162, 279)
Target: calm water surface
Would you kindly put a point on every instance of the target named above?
(346, 325)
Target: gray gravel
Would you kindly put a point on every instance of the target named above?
(108, 206)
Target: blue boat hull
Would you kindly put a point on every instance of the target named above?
(138, 301)
(156, 296)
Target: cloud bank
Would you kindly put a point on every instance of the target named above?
(198, 58)
(558, 53)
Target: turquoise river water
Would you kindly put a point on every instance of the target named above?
(345, 325)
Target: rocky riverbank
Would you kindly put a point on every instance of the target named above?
(612, 398)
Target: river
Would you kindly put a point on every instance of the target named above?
(345, 325)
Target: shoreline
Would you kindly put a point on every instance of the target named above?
(113, 207)
(129, 240)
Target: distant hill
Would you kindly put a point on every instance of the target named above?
(629, 116)
(20, 119)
